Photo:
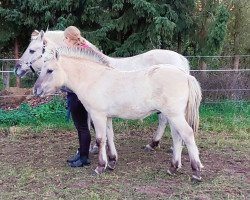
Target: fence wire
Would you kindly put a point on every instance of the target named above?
(217, 85)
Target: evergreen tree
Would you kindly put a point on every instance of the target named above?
(211, 26)
(130, 27)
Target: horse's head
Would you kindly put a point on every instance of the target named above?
(51, 77)
(31, 58)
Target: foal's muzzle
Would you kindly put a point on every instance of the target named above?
(37, 91)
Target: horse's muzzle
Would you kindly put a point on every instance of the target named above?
(19, 71)
(17, 66)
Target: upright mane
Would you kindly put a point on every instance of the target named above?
(55, 36)
(86, 53)
(58, 36)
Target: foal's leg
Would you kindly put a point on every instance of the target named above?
(112, 153)
(100, 123)
(158, 134)
(177, 149)
(187, 135)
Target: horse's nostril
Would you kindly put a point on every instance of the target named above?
(34, 90)
(17, 66)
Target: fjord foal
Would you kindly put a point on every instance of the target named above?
(32, 59)
(129, 95)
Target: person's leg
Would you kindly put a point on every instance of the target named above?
(80, 119)
(70, 98)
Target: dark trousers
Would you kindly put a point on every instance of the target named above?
(80, 119)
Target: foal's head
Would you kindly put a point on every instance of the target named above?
(51, 77)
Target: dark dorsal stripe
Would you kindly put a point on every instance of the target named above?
(86, 53)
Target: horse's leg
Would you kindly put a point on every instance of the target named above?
(187, 135)
(177, 149)
(100, 123)
(112, 153)
(93, 148)
(158, 134)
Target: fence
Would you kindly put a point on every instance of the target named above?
(217, 84)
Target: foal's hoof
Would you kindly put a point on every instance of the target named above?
(170, 150)
(196, 179)
(99, 170)
(111, 165)
(94, 173)
(170, 173)
(148, 148)
(172, 170)
(94, 150)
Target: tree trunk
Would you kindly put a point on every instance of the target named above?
(18, 79)
(179, 42)
(236, 37)
(236, 62)
(203, 66)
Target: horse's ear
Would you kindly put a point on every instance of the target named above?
(57, 55)
(34, 34)
(41, 35)
(45, 42)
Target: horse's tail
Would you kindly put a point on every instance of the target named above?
(194, 99)
(186, 64)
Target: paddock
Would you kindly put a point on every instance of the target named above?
(32, 167)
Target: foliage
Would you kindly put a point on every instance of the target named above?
(238, 35)
(229, 115)
(212, 18)
(54, 112)
(126, 28)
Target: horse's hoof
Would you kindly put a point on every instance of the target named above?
(111, 165)
(196, 179)
(170, 172)
(148, 148)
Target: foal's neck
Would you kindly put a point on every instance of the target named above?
(81, 73)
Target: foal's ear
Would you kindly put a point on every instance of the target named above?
(57, 55)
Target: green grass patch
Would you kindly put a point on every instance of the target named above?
(226, 116)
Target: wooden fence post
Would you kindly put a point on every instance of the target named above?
(18, 79)
(6, 76)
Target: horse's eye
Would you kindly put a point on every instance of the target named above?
(49, 71)
(32, 51)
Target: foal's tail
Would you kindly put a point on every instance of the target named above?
(194, 99)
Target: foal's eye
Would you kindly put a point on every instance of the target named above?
(32, 51)
(49, 71)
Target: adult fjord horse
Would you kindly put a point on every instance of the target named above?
(32, 60)
(129, 95)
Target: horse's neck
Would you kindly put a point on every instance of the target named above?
(56, 37)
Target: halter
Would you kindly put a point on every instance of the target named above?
(36, 59)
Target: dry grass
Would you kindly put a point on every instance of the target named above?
(33, 166)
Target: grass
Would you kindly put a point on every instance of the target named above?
(33, 160)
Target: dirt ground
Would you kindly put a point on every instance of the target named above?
(12, 97)
(33, 166)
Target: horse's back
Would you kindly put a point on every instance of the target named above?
(149, 58)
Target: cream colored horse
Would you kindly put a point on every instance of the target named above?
(129, 95)
(33, 59)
